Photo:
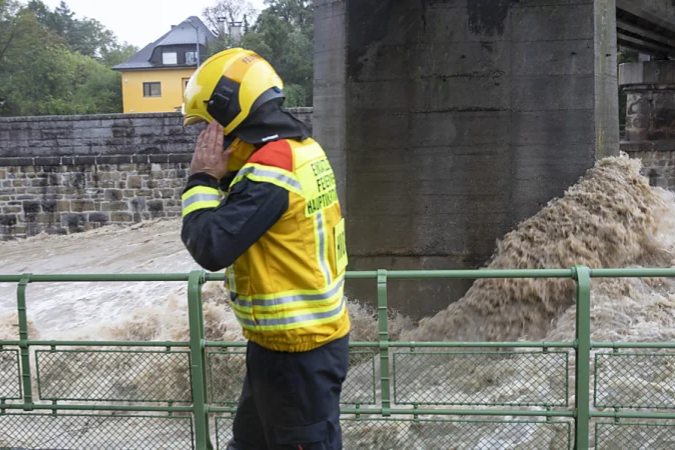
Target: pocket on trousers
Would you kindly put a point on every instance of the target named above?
(305, 437)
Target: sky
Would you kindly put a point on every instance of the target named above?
(139, 22)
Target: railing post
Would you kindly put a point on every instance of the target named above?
(583, 360)
(383, 322)
(27, 380)
(197, 361)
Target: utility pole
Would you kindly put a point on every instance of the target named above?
(197, 29)
(198, 51)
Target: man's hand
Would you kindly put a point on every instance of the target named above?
(209, 156)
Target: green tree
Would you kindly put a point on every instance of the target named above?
(117, 54)
(295, 96)
(218, 45)
(90, 38)
(256, 42)
(284, 35)
(86, 36)
(296, 13)
(84, 86)
(41, 74)
(25, 49)
(246, 27)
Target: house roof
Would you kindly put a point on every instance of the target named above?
(182, 34)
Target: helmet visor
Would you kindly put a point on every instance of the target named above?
(192, 120)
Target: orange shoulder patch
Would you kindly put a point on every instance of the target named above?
(276, 154)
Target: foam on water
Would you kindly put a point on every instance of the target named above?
(611, 218)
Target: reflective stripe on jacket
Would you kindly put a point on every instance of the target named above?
(287, 288)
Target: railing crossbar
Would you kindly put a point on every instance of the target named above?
(197, 345)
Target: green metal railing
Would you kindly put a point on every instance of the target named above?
(398, 394)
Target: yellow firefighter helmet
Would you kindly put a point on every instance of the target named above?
(229, 87)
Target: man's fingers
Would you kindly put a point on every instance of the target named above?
(210, 157)
(214, 143)
(211, 136)
(220, 138)
(207, 136)
(200, 140)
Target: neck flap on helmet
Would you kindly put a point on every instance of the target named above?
(270, 122)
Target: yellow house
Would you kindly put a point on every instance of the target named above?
(154, 79)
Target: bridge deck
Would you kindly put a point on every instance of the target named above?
(646, 27)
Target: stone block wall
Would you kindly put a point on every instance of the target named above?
(650, 123)
(658, 161)
(68, 174)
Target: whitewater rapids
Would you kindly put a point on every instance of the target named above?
(610, 218)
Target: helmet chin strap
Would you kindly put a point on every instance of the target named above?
(229, 139)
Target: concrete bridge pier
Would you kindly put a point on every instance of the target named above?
(449, 121)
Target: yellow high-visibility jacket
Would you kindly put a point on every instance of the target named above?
(287, 288)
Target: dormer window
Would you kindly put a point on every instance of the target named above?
(190, 58)
(169, 58)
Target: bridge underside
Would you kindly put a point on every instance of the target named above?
(646, 27)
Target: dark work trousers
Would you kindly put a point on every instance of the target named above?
(291, 400)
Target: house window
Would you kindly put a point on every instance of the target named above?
(169, 58)
(190, 58)
(152, 89)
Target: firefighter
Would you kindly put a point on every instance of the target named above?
(261, 202)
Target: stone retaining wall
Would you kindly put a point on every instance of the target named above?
(658, 161)
(67, 174)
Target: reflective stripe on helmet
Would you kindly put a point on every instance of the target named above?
(200, 197)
